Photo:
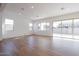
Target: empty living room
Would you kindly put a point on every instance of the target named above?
(39, 29)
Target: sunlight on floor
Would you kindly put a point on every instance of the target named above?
(67, 37)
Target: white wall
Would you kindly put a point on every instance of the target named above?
(20, 24)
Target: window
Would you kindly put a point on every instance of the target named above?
(30, 26)
(8, 24)
(62, 28)
(76, 29)
(47, 24)
(76, 26)
(44, 26)
(67, 28)
(57, 28)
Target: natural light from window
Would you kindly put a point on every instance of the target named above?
(8, 24)
(30, 26)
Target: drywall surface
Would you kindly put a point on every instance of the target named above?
(20, 26)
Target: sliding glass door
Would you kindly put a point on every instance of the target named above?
(76, 29)
(57, 28)
(67, 28)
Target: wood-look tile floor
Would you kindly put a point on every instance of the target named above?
(27, 46)
(34, 45)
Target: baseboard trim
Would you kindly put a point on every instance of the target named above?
(42, 35)
(28, 35)
(17, 36)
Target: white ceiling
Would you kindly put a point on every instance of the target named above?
(42, 10)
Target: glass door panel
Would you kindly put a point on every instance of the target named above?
(67, 28)
(76, 29)
(57, 28)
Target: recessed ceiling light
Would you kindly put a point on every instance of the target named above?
(32, 7)
(20, 13)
